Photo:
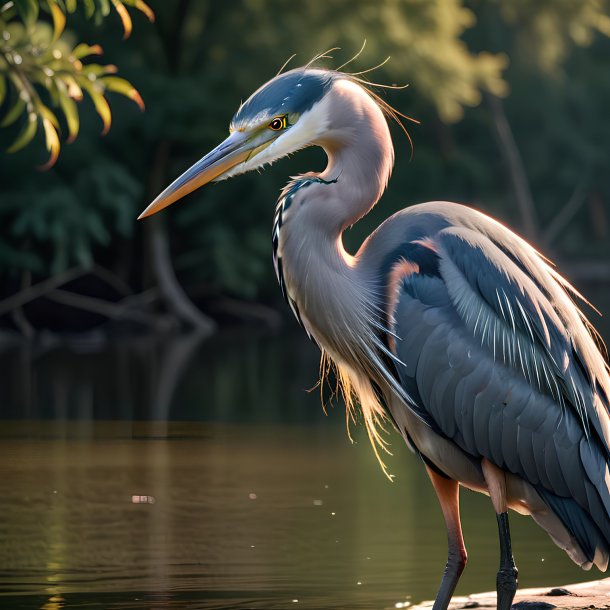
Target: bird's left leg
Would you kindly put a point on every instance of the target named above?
(506, 581)
(448, 493)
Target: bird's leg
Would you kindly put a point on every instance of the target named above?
(506, 581)
(447, 491)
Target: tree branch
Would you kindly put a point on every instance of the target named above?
(38, 290)
(514, 164)
(567, 212)
(112, 311)
(170, 289)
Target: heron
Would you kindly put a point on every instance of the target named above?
(444, 323)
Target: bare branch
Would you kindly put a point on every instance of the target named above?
(514, 164)
(38, 290)
(112, 311)
(565, 215)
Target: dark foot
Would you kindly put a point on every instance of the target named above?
(506, 586)
(506, 581)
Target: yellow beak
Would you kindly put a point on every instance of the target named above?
(235, 149)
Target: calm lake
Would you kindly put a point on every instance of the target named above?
(183, 474)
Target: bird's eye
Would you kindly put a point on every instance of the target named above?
(279, 122)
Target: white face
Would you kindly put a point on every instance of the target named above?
(305, 132)
(251, 145)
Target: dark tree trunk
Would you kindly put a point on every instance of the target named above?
(157, 238)
(517, 175)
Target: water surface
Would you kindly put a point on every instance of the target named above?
(183, 474)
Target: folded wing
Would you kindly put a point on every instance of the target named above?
(500, 360)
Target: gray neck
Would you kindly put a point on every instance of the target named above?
(335, 295)
(328, 289)
(360, 158)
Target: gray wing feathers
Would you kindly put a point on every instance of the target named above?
(509, 313)
(495, 371)
(577, 521)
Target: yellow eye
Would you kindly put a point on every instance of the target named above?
(279, 122)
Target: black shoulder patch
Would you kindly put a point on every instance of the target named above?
(426, 259)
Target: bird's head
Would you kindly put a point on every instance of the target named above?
(303, 107)
(286, 114)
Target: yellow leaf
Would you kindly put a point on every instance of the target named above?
(59, 19)
(144, 8)
(123, 13)
(99, 69)
(124, 87)
(51, 142)
(84, 50)
(46, 113)
(74, 90)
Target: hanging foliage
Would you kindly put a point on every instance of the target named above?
(43, 76)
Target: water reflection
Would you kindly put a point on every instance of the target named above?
(181, 474)
(227, 378)
(244, 516)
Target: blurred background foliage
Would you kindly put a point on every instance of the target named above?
(512, 98)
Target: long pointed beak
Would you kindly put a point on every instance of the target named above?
(235, 149)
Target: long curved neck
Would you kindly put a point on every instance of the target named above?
(360, 158)
(330, 292)
(321, 280)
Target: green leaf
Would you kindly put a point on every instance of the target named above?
(28, 11)
(124, 87)
(41, 66)
(26, 135)
(100, 103)
(89, 8)
(104, 7)
(99, 69)
(84, 50)
(70, 110)
(14, 113)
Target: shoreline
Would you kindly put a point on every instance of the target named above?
(585, 595)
